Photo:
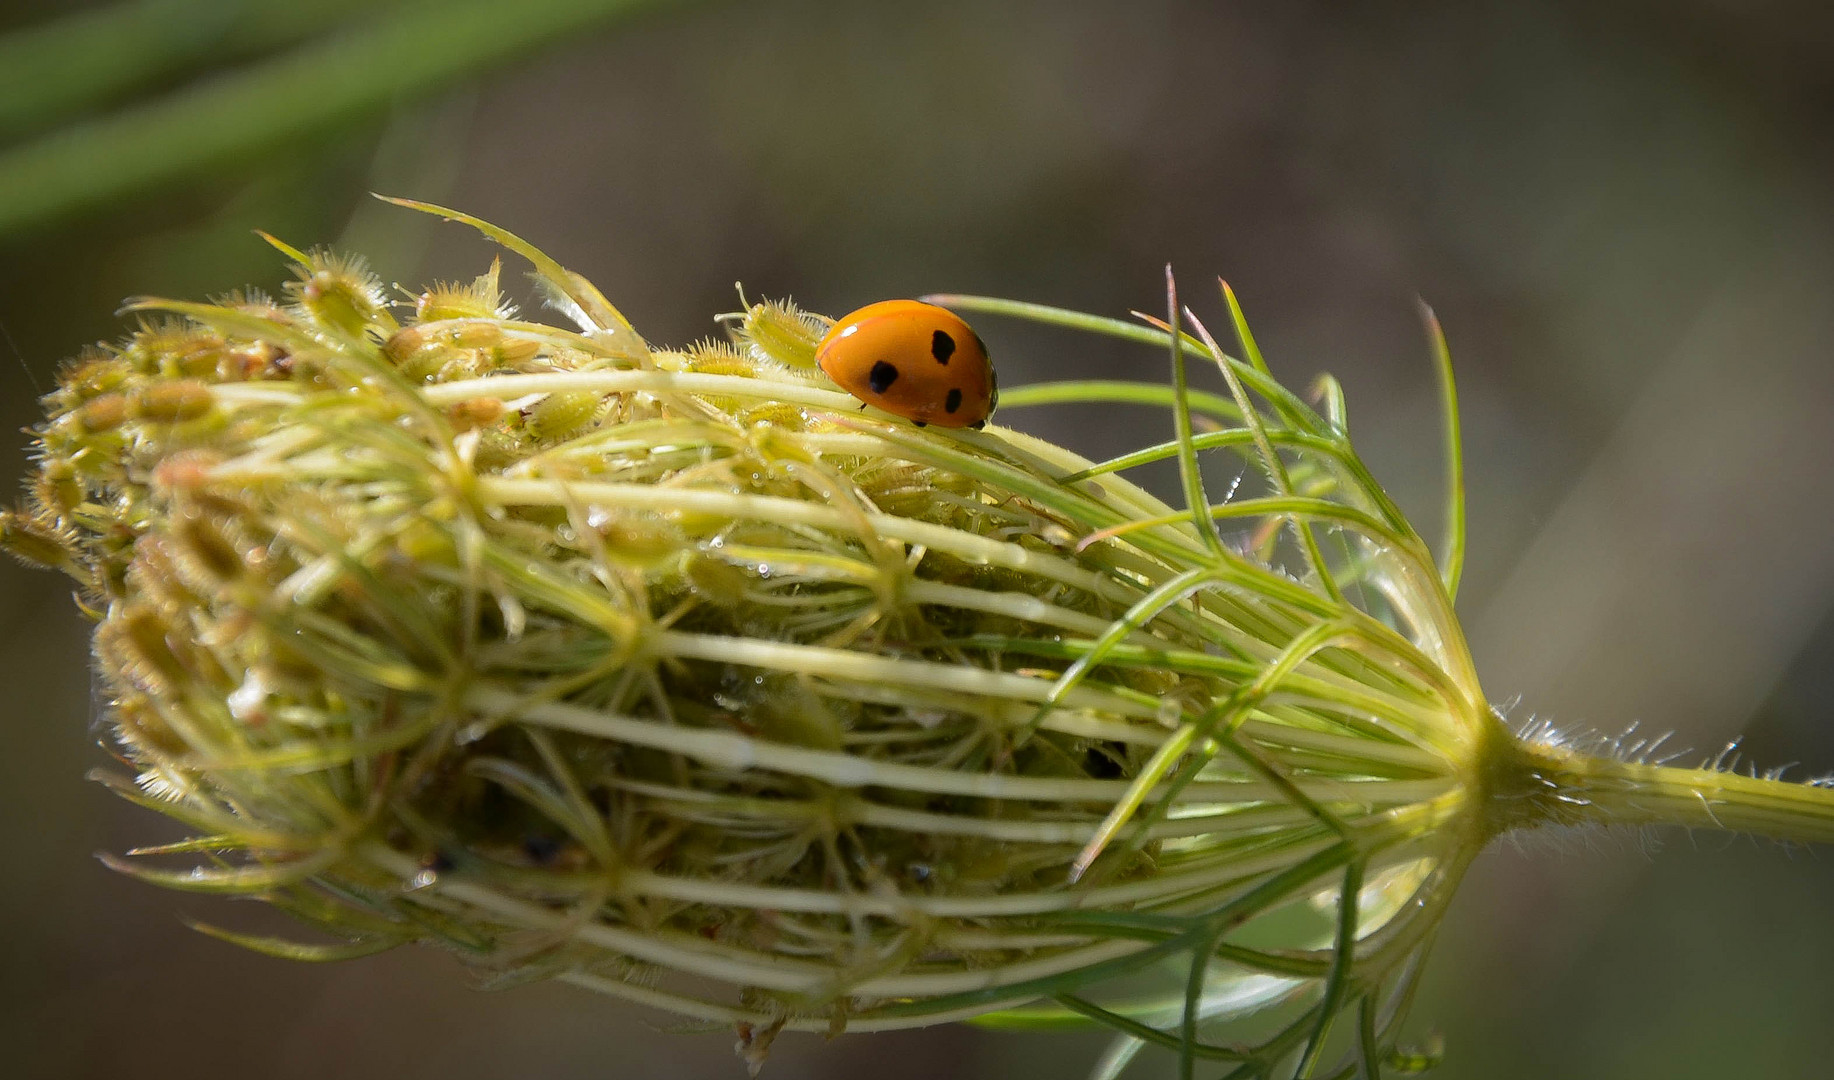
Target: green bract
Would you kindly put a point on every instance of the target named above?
(676, 675)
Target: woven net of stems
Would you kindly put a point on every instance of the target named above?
(674, 674)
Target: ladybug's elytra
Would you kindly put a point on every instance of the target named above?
(913, 360)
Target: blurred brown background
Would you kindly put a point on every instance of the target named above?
(1622, 212)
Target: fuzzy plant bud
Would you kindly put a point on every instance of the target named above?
(680, 675)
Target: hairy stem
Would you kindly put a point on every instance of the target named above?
(1541, 784)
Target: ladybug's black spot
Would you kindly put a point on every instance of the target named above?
(881, 377)
(942, 346)
(953, 401)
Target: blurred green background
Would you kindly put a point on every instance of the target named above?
(1622, 212)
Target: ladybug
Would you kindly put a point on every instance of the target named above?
(913, 360)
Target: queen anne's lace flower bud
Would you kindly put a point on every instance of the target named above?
(675, 674)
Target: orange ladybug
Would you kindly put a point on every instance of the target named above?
(913, 360)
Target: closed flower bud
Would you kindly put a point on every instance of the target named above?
(143, 732)
(470, 334)
(405, 342)
(57, 486)
(173, 402)
(562, 415)
(139, 647)
(93, 374)
(478, 300)
(780, 332)
(101, 414)
(206, 548)
(339, 294)
(475, 413)
(36, 541)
